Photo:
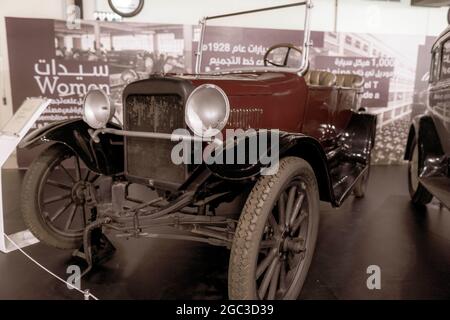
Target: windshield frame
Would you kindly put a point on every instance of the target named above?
(306, 39)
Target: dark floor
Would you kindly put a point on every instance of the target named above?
(412, 248)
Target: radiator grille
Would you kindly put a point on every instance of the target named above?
(150, 158)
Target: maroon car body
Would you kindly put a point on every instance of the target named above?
(322, 112)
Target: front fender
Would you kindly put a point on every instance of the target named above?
(268, 155)
(310, 150)
(245, 156)
(105, 157)
(432, 158)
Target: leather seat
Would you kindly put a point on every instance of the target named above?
(320, 78)
(349, 81)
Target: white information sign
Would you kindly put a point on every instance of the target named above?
(10, 136)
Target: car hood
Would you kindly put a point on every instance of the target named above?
(245, 84)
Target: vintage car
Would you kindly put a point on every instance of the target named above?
(428, 147)
(308, 122)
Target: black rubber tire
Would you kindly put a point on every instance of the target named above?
(29, 203)
(419, 196)
(360, 187)
(250, 228)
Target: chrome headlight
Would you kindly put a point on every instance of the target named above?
(207, 110)
(97, 109)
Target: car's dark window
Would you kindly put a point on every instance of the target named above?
(434, 73)
(445, 65)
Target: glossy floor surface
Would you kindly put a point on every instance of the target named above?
(411, 247)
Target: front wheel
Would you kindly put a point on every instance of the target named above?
(54, 196)
(276, 235)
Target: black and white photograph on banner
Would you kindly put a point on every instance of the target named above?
(221, 154)
(129, 52)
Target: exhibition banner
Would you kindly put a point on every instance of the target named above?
(51, 59)
(232, 47)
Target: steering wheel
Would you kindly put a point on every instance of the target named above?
(289, 47)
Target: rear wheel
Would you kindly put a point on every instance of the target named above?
(54, 196)
(419, 195)
(276, 235)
